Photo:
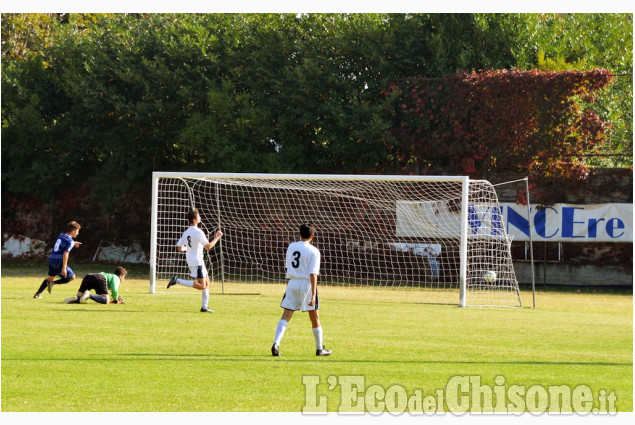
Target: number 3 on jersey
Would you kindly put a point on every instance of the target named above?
(296, 259)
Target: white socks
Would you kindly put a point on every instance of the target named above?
(282, 326)
(205, 297)
(317, 334)
(188, 283)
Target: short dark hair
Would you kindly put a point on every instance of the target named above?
(121, 272)
(192, 215)
(307, 230)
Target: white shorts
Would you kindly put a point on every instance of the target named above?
(298, 296)
(198, 272)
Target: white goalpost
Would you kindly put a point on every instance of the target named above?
(441, 237)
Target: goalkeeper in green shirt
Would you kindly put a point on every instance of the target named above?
(101, 283)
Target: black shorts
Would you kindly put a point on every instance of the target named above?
(95, 281)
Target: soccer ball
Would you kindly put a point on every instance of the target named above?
(490, 276)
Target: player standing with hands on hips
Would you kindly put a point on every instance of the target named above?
(192, 243)
(303, 267)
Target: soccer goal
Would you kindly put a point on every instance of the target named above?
(438, 237)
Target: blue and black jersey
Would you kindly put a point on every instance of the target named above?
(64, 243)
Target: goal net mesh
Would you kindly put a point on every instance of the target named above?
(402, 234)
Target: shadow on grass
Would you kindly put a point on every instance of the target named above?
(19, 268)
(117, 309)
(304, 359)
(270, 358)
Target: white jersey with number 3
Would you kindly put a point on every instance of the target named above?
(195, 240)
(303, 260)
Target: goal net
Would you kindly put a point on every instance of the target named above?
(436, 236)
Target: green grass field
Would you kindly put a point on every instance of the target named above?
(159, 353)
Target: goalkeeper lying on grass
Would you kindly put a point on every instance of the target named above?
(100, 282)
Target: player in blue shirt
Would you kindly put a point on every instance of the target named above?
(58, 259)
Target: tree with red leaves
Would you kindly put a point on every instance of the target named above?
(500, 121)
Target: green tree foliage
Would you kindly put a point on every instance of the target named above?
(586, 41)
(26, 34)
(93, 103)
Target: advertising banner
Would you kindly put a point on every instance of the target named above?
(570, 222)
(556, 223)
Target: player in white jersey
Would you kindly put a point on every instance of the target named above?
(192, 242)
(303, 267)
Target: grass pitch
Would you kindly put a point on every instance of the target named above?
(159, 353)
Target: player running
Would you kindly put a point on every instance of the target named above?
(192, 243)
(58, 259)
(303, 267)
